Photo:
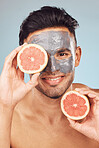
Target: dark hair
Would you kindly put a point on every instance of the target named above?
(46, 17)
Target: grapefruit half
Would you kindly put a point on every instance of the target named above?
(32, 58)
(74, 105)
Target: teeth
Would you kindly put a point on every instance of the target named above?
(53, 79)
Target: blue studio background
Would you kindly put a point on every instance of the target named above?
(13, 12)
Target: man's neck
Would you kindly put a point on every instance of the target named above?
(44, 107)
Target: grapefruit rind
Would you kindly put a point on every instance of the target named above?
(41, 66)
(73, 117)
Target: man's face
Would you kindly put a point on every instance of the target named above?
(58, 75)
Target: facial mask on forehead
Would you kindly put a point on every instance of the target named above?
(53, 42)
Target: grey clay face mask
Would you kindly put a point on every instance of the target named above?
(60, 48)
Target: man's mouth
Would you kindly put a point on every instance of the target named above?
(53, 80)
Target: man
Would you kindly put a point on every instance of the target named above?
(30, 114)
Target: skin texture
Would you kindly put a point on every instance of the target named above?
(31, 119)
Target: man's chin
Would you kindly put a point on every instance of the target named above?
(52, 94)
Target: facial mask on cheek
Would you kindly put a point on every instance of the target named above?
(64, 65)
(68, 65)
(53, 64)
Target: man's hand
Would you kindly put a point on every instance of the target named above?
(90, 125)
(12, 85)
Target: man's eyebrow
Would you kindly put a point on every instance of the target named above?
(62, 50)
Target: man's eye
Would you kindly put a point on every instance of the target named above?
(63, 54)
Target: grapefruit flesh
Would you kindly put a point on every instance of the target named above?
(74, 105)
(32, 58)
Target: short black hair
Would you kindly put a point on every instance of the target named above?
(46, 17)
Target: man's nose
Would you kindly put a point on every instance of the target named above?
(53, 64)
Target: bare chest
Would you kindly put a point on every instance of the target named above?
(44, 136)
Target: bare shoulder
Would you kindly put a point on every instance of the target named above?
(79, 85)
(96, 90)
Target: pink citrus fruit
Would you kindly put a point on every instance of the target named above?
(32, 58)
(74, 105)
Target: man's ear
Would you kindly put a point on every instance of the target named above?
(77, 56)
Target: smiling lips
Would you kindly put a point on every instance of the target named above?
(53, 80)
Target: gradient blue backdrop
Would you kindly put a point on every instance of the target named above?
(13, 12)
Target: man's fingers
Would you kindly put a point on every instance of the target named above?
(88, 92)
(9, 59)
(20, 73)
(32, 83)
(14, 62)
(74, 124)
